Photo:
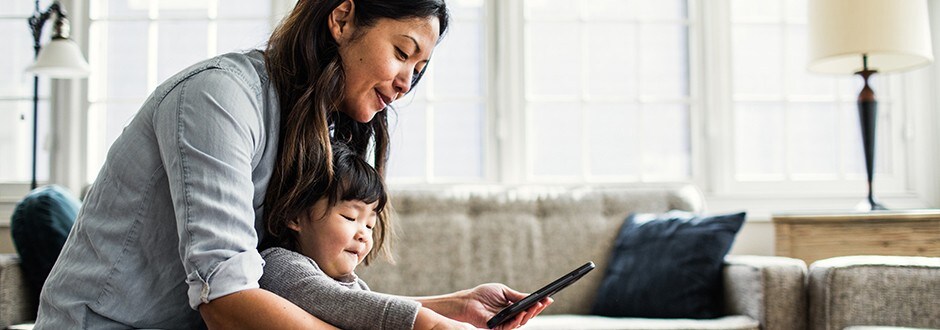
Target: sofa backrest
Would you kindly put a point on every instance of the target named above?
(459, 237)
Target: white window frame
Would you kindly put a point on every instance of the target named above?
(505, 146)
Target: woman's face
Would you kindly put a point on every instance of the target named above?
(381, 60)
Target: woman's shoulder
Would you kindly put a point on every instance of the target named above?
(250, 64)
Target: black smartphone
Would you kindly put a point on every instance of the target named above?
(510, 311)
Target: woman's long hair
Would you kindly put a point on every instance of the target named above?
(303, 63)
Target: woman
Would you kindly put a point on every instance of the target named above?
(167, 235)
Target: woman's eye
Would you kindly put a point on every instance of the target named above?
(401, 54)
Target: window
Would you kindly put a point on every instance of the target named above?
(439, 131)
(607, 91)
(643, 91)
(16, 97)
(137, 44)
(639, 92)
(793, 127)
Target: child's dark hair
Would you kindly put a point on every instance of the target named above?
(353, 180)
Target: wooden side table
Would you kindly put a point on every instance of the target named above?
(815, 236)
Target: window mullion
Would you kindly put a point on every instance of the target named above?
(513, 154)
(717, 115)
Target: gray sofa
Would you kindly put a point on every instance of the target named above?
(861, 291)
(458, 237)
(15, 305)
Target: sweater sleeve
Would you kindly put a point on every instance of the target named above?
(296, 278)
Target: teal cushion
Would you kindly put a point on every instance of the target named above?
(39, 226)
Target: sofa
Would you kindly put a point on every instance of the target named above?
(874, 291)
(16, 305)
(457, 237)
(453, 238)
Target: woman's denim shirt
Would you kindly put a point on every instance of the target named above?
(173, 218)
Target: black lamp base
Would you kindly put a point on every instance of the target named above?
(869, 205)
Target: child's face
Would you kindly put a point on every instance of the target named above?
(341, 239)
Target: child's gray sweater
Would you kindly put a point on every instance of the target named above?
(345, 304)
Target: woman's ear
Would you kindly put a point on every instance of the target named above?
(340, 21)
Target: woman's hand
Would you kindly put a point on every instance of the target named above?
(484, 301)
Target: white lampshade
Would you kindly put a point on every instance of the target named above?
(60, 58)
(895, 34)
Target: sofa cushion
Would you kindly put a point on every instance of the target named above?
(668, 266)
(573, 322)
(899, 291)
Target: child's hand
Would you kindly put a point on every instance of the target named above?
(431, 320)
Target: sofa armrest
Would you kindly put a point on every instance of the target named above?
(768, 289)
(16, 306)
(875, 290)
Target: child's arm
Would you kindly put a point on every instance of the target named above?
(430, 320)
(294, 277)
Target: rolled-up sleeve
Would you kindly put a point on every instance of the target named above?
(208, 130)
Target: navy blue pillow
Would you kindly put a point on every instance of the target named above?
(39, 226)
(668, 266)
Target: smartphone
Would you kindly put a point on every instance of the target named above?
(510, 311)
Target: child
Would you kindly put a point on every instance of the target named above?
(310, 259)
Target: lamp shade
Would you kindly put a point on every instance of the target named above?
(894, 34)
(61, 58)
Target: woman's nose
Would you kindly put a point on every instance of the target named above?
(402, 83)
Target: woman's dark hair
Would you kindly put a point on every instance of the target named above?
(303, 63)
(353, 180)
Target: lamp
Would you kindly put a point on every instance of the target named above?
(864, 37)
(61, 58)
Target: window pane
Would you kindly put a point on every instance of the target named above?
(758, 139)
(184, 8)
(242, 35)
(852, 150)
(14, 80)
(101, 9)
(22, 9)
(756, 11)
(666, 142)
(796, 11)
(757, 56)
(244, 9)
(121, 64)
(813, 141)
(181, 44)
(663, 61)
(551, 9)
(800, 80)
(556, 139)
(465, 9)
(663, 9)
(457, 64)
(553, 58)
(16, 144)
(615, 137)
(612, 9)
(612, 60)
(458, 140)
(408, 127)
